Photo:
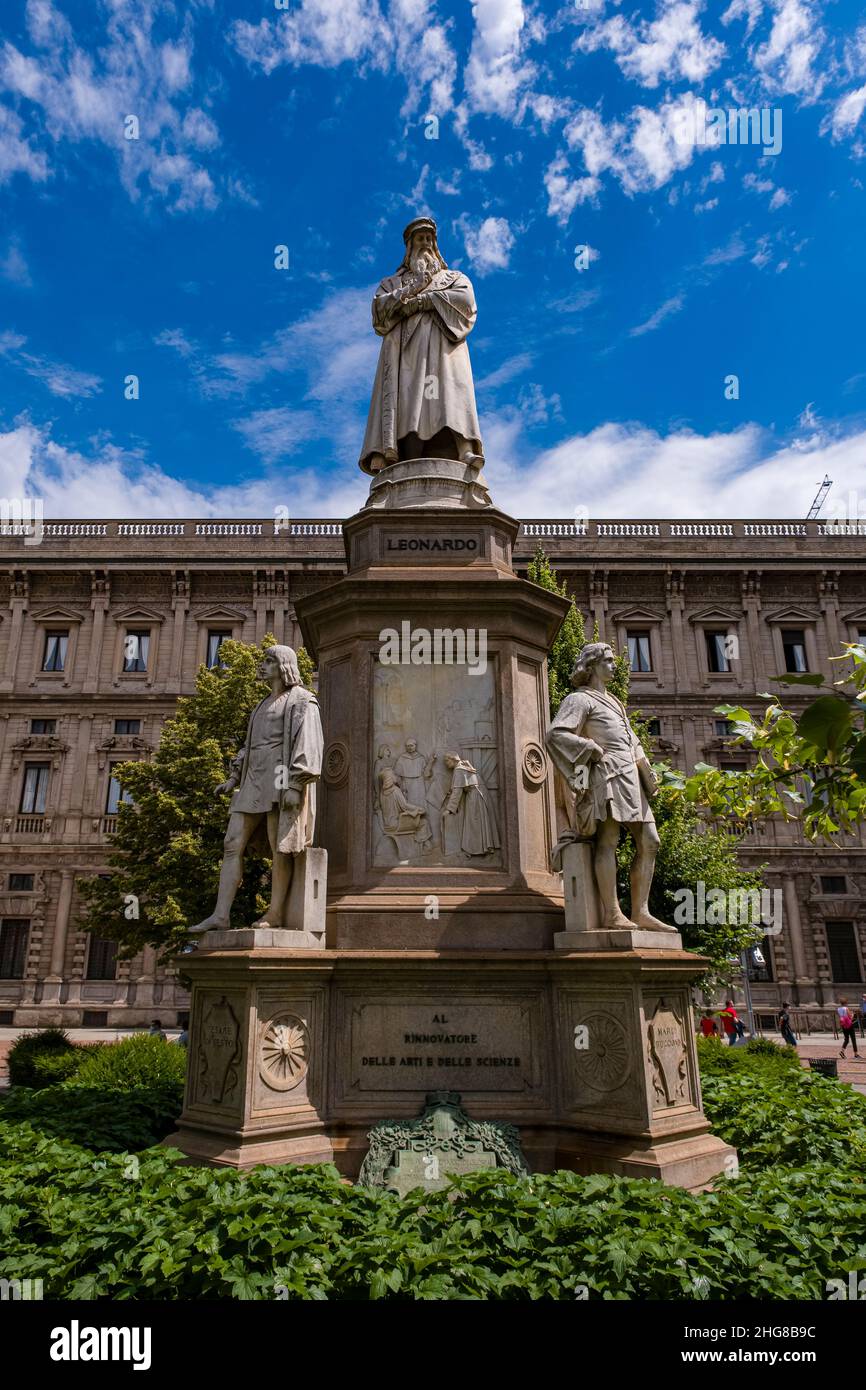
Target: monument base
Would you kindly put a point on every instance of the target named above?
(618, 939)
(295, 1055)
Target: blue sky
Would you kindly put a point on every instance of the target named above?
(559, 127)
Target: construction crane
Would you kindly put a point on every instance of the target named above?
(819, 498)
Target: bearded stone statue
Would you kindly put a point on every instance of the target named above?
(423, 403)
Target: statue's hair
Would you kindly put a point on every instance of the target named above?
(287, 660)
(405, 265)
(586, 659)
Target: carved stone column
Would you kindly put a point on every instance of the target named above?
(675, 583)
(750, 589)
(180, 609)
(54, 979)
(19, 598)
(100, 599)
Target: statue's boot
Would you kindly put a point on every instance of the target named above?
(647, 922)
(212, 923)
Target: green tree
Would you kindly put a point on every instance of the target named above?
(810, 767)
(691, 849)
(166, 853)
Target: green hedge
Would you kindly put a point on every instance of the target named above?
(125, 1225)
(149, 1227)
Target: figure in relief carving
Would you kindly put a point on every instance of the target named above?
(274, 781)
(423, 402)
(469, 802)
(413, 772)
(610, 783)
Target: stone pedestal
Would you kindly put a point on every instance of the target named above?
(293, 1057)
(453, 960)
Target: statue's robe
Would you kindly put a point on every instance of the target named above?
(283, 733)
(469, 800)
(424, 378)
(615, 787)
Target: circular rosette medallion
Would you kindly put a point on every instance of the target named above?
(335, 764)
(604, 1063)
(284, 1052)
(534, 763)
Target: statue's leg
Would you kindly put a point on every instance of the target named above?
(646, 839)
(465, 450)
(281, 878)
(240, 828)
(604, 861)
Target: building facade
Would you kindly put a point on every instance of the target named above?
(103, 624)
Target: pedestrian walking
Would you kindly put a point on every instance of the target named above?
(846, 1023)
(731, 1023)
(785, 1025)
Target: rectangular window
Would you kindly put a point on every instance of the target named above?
(639, 651)
(127, 726)
(794, 647)
(136, 645)
(101, 959)
(654, 728)
(724, 728)
(759, 962)
(717, 651)
(834, 883)
(214, 642)
(13, 948)
(54, 656)
(116, 794)
(842, 945)
(20, 883)
(43, 726)
(34, 792)
(730, 765)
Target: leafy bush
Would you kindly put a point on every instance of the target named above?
(757, 1056)
(775, 1114)
(150, 1227)
(109, 1121)
(135, 1063)
(30, 1046)
(50, 1068)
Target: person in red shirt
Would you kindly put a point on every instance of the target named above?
(730, 1022)
(709, 1027)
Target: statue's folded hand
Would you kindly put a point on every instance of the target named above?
(290, 799)
(225, 787)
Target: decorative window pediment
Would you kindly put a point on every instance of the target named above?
(57, 617)
(716, 617)
(138, 617)
(793, 614)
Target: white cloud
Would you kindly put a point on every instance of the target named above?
(507, 371)
(60, 379)
(488, 244)
(497, 73)
(17, 154)
(786, 62)
(664, 311)
(669, 48)
(275, 434)
(642, 151)
(564, 194)
(14, 267)
(328, 33)
(71, 93)
(750, 10)
(630, 471)
(111, 482)
(847, 112)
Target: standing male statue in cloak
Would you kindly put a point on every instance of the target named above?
(608, 784)
(273, 779)
(423, 403)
